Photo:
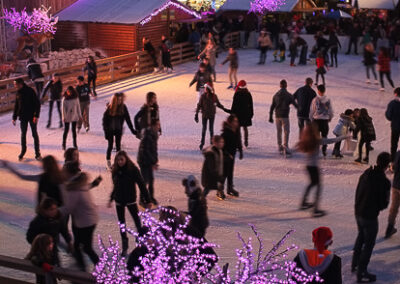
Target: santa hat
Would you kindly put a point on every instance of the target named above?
(241, 85)
(322, 237)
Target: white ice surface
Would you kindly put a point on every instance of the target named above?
(270, 187)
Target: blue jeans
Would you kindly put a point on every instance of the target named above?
(365, 242)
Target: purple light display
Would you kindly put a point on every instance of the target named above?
(263, 6)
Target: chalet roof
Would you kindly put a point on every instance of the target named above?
(377, 4)
(118, 11)
(244, 5)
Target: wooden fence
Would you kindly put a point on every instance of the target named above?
(26, 266)
(109, 69)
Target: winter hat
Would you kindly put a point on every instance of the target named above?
(208, 86)
(242, 84)
(191, 185)
(322, 237)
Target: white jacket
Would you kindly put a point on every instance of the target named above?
(71, 110)
(321, 108)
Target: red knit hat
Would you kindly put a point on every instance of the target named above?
(242, 84)
(322, 237)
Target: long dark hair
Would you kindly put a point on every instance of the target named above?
(73, 92)
(113, 107)
(128, 165)
(52, 170)
(40, 249)
(309, 139)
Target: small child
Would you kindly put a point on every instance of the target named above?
(233, 67)
(201, 78)
(281, 49)
(365, 126)
(320, 68)
(345, 124)
(41, 255)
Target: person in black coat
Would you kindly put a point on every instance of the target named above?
(125, 177)
(113, 120)
(395, 198)
(233, 143)
(393, 115)
(36, 75)
(334, 45)
(366, 127)
(91, 70)
(320, 259)
(148, 157)
(49, 221)
(149, 112)
(151, 51)
(372, 196)
(370, 61)
(27, 109)
(166, 47)
(354, 35)
(242, 107)
(197, 205)
(55, 86)
(303, 97)
(201, 78)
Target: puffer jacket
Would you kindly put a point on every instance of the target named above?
(321, 108)
(345, 124)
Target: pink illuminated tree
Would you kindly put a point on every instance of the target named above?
(263, 6)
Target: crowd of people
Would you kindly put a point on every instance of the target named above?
(65, 194)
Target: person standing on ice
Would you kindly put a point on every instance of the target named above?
(372, 196)
(212, 173)
(320, 71)
(91, 70)
(201, 78)
(56, 88)
(71, 112)
(148, 157)
(309, 144)
(281, 106)
(151, 51)
(321, 113)
(27, 109)
(393, 115)
(395, 198)
(367, 132)
(384, 67)
(233, 59)
(303, 97)
(207, 104)
(370, 62)
(265, 43)
(148, 113)
(166, 46)
(125, 177)
(233, 143)
(343, 127)
(210, 52)
(319, 259)
(242, 107)
(113, 123)
(84, 94)
(35, 73)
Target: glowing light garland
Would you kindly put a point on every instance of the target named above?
(167, 5)
(173, 256)
(263, 6)
(39, 21)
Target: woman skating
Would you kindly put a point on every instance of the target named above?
(233, 143)
(113, 121)
(210, 52)
(365, 126)
(321, 71)
(91, 70)
(370, 62)
(125, 177)
(384, 67)
(149, 112)
(71, 113)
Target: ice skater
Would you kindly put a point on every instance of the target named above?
(113, 123)
(125, 176)
(233, 60)
(55, 86)
(71, 112)
(84, 94)
(343, 128)
(370, 62)
(166, 47)
(321, 70)
(384, 67)
(207, 104)
(265, 43)
(91, 70)
(280, 51)
(367, 132)
(210, 52)
(201, 77)
(149, 112)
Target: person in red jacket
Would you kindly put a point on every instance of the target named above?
(384, 67)
(320, 68)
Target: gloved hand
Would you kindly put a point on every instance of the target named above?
(196, 118)
(271, 120)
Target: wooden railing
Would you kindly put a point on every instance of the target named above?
(232, 40)
(25, 265)
(109, 70)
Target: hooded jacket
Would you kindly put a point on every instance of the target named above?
(125, 181)
(281, 104)
(242, 107)
(321, 109)
(27, 104)
(213, 168)
(79, 203)
(304, 96)
(393, 114)
(372, 194)
(344, 125)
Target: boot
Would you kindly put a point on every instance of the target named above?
(125, 245)
(221, 195)
(390, 231)
(306, 205)
(318, 213)
(61, 124)
(48, 124)
(365, 277)
(64, 145)
(233, 192)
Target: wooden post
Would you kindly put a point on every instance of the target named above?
(112, 70)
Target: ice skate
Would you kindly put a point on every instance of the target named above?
(366, 277)
(233, 192)
(317, 213)
(20, 158)
(221, 195)
(48, 125)
(368, 81)
(382, 89)
(306, 205)
(358, 161)
(38, 157)
(376, 82)
(390, 231)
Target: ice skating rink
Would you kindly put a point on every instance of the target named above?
(270, 186)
